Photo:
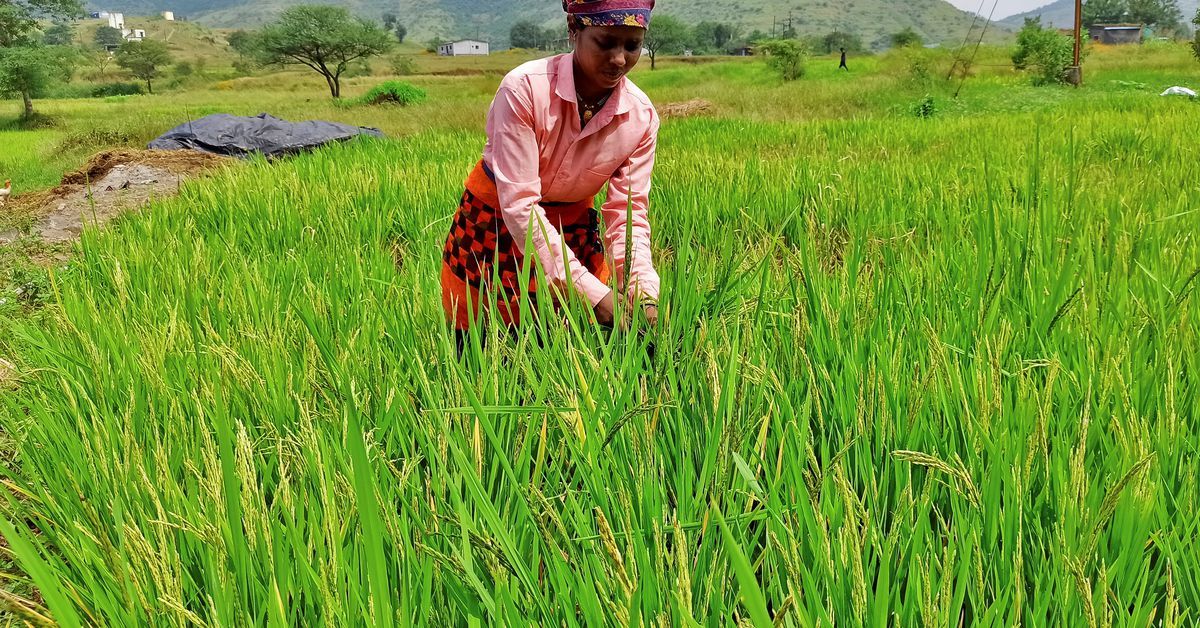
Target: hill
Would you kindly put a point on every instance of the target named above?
(936, 20)
(1062, 14)
(190, 42)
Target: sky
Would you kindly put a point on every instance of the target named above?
(1004, 8)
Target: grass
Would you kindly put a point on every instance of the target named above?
(910, 372)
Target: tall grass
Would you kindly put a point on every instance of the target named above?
(908, 373)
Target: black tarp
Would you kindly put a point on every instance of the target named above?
(264, 134)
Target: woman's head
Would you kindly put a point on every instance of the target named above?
(608, 37)
(605, 54)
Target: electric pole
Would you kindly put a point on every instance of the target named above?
(1075, 72)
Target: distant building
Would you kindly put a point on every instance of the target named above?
(464, 48)
(169, 16)
(116, 20)
(1117, 34)
(133, 34)
(742, 51)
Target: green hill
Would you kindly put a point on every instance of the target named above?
(1062, 13)
(936, 20)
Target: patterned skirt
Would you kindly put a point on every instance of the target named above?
(480, 256)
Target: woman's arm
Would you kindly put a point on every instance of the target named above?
(516, 165)
(626, 212)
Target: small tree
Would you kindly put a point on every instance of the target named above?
(100, 59)
(389, 21)
(907, 38)
(60, 34)
(401, 31)
(1044, 52)
(667, 34)
(789, 57)
(325, 38)
(144, 59)
(108, 36)
(526, 34)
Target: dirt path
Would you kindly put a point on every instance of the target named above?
(111, 183)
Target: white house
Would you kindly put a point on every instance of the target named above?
(117, 21)
(133, 34)
(169, 16)
(465, 47)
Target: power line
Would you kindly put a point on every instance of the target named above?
(978, 44)
(967, 38)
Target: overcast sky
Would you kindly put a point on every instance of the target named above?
(1004, 9)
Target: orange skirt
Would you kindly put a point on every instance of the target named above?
(481, 258)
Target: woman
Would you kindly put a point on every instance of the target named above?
(559, 129)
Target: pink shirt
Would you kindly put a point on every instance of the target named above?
(538, 152)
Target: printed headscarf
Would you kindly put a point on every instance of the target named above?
(581, 13)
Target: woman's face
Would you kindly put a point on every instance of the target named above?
(605, 54)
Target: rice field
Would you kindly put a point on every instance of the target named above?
(909, 372)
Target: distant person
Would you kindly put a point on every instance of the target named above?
(843, 66)
(558, 130)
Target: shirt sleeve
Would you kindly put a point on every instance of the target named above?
(626, 212)
(515, 158)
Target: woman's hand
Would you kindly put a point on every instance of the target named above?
(651, 312)
(606, 312)
(606, 309)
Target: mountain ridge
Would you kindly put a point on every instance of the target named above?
(873, 20)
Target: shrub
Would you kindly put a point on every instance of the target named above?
(925, 108)
(1044, 52)
(116, 89)
(403, 65)
(788, 56)
(391, 93)
(357, 69)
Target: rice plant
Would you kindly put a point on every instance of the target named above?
(908, 372)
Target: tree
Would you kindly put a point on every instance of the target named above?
(245, 44)
(401, 32)
(242, 42)
(60, 34)
(837, 40)
(25, 65)
(100, 58)
(526, 34)
(667, 34)
(1196, 41)
(325, 38)
(1104, 12)
(907, 38)
(24, 73)
(1157, 13)
(389, 21)
(788, 56)
(1044, 52)
(713, 36)
(553, 35)
(108, 36)
(144, 59)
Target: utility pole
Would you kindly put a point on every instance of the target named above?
(1075, 72)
